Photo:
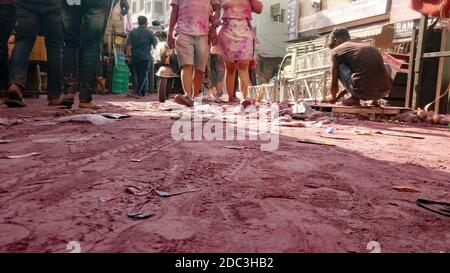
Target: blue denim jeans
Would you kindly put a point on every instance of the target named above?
(7, 20)
(32, 16)
(345, 76)
(84, 28)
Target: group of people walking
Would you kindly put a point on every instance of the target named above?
(73, 31)
(196, 25)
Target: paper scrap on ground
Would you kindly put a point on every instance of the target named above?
(92, 118)
(235, 147)
(9, 122)
(114, 115)
(361, 132)
(168, 194)
(405, 189)
(316, 142)
(22, 156)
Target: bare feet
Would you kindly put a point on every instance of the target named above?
(341, 95)
(54, 102)
(184, 100)
(68, 100)
(14, 96)
(248, 102)
(233, 100)
(88, 105)
(352, 101)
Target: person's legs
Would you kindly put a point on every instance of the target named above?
(345, 76)
(72, 20)
(252, 75)
(7, 19)
(230, 77)
(141, 72)
(133, 77)
(185, 53)
(52, 24)
(201, 56)
(93, 29)
(187, 73)
(244, 79)
(198, 81)
(218, 73)
(27, 26)
(151, 77)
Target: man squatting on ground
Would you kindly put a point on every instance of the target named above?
(359, 67)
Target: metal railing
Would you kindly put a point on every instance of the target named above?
(312, 87)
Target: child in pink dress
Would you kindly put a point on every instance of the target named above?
(236, 41)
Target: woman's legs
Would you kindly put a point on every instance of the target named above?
(230, 76)
(244, 78)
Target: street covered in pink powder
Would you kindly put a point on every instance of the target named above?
(84, 180)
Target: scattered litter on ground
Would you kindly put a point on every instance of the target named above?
(139, 215)
(292, 124)
(409, 117)
(431, 117)
(92, 118)
(285, 119)
(334, 137)
(235, 147)
(441, 208)
(4, 141)
(138, 191)
(114, 115)
(316, 142)
(136, 160)
(44, 123)
(330, 130)
(177, 116)
(73, 149)
(405, 189)
(22, 156)
(10, 122)
(48, 140)
(82, 138)
(398, 135)
(168, 194)
(361, 132)
(109, 197)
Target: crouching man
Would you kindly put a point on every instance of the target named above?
(359, 67)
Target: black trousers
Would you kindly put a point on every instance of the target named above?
(7, 20)
(141, 69)
(31, 17)
(84, 29)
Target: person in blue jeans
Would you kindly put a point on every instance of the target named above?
(33, 16)
(84, 24)
(139, 45)
(7, 20)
